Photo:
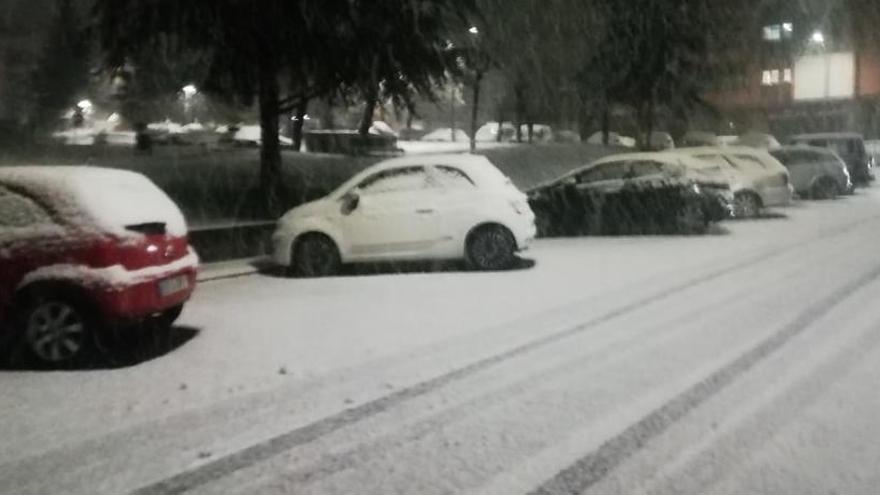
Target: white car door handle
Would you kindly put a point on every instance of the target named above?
(425, 211)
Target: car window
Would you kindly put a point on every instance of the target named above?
(750, 161)
(715, 161)
(453, 178)
(17, 211)
(846, 147)
(395, 180)
(645, 169)
(606, 171)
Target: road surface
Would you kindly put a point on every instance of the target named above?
(746, 361)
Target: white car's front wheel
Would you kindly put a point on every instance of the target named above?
(491, 247)
(315, 255)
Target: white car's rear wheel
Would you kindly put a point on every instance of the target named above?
(491, 247)
(57, 331)
(315, 255)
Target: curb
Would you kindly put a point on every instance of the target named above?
(223, 270)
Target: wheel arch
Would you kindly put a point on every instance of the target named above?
(751, 192)
(314, 232)
(69, 290)
(485, 224)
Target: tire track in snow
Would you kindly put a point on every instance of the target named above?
(595, 466)
(267, 449)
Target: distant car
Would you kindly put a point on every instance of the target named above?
(816, 173)
(251, 136)
(446, 135)
(757, 140)
(638, 193)
(756, 178)
(699, 138)
(82, 249)
(849, 146)
(661, 141)
(488, 133)
(410, 208)
(614, 139)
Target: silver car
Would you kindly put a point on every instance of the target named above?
(816, 173)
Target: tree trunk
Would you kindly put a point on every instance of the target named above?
(369, 109)
(531, 128)
(298, 123)
(328, 121)
(372, 98)
(520, 112)
(270, 151)
(606, 124)
(498, 135)
(475, 110)
(646, 123)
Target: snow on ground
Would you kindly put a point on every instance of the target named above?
(547, 363)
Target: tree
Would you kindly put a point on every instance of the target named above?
(403, 48)
(284, 53)
(62, 71)
(271, 51)
(659, 53)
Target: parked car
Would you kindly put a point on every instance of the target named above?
(488, 133)
(409, 208)
(614, 139)
(660, 141)
(872, 147)
(849, 146)
(445, 135)
(756, 178)
(816, 173)
(637, 193)
(757, 140)
(83, 249)
(699, 138)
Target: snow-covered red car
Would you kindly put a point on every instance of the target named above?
(85, 249)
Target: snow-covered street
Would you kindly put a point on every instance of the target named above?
(745, 361)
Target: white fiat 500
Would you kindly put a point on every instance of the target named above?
(432, 207)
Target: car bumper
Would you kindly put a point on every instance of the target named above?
(777, 196)
(148, 297)
(282, 244)
(525, 230)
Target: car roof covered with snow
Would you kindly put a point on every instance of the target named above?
(477, 167)
(94, 197)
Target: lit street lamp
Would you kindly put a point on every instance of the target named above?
(189, 92)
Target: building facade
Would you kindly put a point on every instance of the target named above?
(811, 66)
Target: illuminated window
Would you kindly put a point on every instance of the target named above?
(778, 32)
(786, 76)
(770, 77)
(773, 32)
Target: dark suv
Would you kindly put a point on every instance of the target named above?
(849, 146)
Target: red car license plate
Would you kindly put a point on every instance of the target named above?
(173, 285)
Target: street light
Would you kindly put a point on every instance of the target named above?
(474, 30)
(189, 91)
(818, 38)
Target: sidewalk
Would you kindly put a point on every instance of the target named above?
(233, 268)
